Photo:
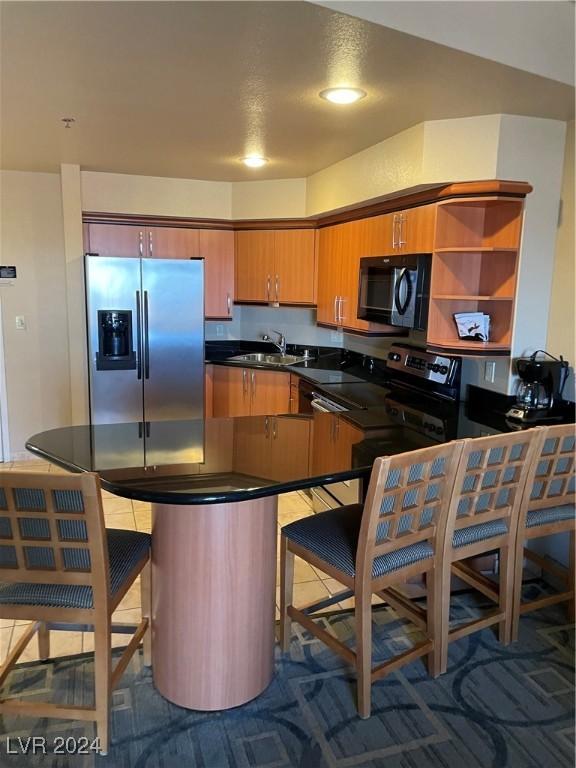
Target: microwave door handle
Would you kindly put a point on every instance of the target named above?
(401, 307)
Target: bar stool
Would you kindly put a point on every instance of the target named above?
(60, 565)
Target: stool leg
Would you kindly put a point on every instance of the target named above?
(286, 592)
(506, 591)
(43, 641)
(517, 587)
(432, 622)
(103, 674)
(146, 600)
(443, 578)
(363, 616)
(571, 572)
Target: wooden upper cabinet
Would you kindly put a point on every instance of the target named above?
(115, 240)
(275, 266)
(171, 243)
(329, 273)
(216, 247)
(417, 229)
(294, 266)
(254, 265)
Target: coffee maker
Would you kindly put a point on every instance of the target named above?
(539, 392)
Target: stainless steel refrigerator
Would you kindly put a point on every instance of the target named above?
(145, 320)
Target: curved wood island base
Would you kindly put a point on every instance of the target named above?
(213, 601)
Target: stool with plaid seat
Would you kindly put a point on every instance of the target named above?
(60, 565)
(368, 549)
(548, 508)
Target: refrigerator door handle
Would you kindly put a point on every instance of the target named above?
(146, 339)
(138, 335)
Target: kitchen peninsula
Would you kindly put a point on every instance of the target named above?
(214, 521)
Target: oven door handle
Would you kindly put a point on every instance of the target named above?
(319, 405)
(401, 307)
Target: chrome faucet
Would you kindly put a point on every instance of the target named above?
(281, 343)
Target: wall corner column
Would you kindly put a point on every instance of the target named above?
(74, 252)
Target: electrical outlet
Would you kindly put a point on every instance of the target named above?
(489, 371)
(219, 330)
(20, 323)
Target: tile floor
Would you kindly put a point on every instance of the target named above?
(310, 583)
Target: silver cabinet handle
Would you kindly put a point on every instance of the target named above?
(267, 427)
(150, 244)
(402, 219)
(341, 309)
(336, 309)
(274, 429)
(141, 243)
(395, 232)
(244, 381)
(229, 304)
(276, 285)
(268, 288)
(253, 382)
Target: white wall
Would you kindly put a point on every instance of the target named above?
(153, 195)
(282, 198)
(37, 373)
(561, 325)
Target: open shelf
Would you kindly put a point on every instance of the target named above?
(488, 224)
(469, 348)
(451, 297)
(476, 248)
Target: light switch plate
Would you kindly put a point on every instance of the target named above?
(20, 323)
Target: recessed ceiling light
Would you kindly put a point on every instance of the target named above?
(343, 95)
(254, 161)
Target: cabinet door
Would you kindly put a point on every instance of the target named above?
(322, 443)
(329, 273)
(294, 265)
(217, 250)
(171, 243)
(253, 447)
(254, 265)
(208, 391)
(115, 240)
(269, 392)
(230, 391)
(417, 229)
(354, 236)
(346, 435)
(289, 463)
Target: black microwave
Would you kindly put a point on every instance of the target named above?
(395, 290)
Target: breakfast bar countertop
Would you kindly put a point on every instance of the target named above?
(201, 461)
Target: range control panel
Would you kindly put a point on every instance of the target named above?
(425, 365)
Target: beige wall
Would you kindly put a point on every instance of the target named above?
(386, 167)
(152, 195)
(561, 323)
(282, 198)
(38, 378)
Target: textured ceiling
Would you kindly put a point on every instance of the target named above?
(186, 88)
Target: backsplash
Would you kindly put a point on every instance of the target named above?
(299, 327)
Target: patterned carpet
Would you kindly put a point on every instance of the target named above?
(494, 707)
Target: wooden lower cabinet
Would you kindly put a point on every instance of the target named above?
(249, 391)
(208, 391)
(274, 457)
(332, 441)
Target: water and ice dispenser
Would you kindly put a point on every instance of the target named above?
(115, 341)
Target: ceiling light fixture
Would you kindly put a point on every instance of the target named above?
(343, 95)
(254, 161)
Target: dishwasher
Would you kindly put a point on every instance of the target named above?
(325, 497)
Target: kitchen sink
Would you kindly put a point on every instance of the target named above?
(266, 359)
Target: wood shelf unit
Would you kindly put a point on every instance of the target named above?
(474, 269)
